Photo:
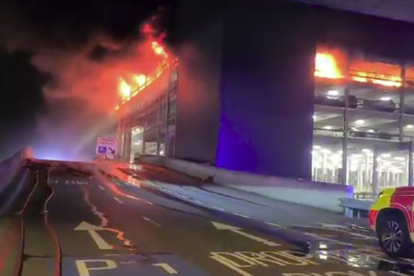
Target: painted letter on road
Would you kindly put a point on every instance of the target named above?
(83, 268)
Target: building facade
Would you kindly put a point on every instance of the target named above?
(283, 89)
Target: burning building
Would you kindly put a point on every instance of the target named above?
(281, 88)
(145, 109)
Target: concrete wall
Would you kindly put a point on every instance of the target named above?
(315, 194)
(267, 90)
(199, 71)
(11, 166)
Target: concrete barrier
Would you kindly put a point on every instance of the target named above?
(315, 194)
(11, 166)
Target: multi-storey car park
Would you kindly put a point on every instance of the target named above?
(363, 120)
(315, 94)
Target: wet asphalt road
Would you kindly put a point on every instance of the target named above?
(107, 228)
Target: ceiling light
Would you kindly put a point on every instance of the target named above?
(370, 130)
(366, 150)
(314, 117)
(316, 147)
(333, 93)
(359, 122)
(386, 155)
(385, 99)
(409, 126)
(336, 158)
(399, 158)
(327, 127)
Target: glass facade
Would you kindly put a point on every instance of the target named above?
(146, 125)
(363, 120)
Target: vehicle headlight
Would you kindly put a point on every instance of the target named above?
(379, 195)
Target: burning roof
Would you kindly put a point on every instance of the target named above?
(131, 83)
(331, 64)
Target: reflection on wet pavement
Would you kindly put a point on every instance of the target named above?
(353, 246)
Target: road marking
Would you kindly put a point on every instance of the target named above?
(151, 221)
(242, 261)
(183, 196)
(102, 188)
(118, 200)
(275, 225)
(240, 215)
(222, 226)
(197, 201)
(83, 268)
(169, 269)
(92, 230)
(217, 208)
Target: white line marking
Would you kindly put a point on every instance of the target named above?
(275, 225)
(217, 208)
(240, 215)
(102, 188)
(197, 201)
(118, 200)
(151, 221)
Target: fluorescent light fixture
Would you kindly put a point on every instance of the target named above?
(333, 93)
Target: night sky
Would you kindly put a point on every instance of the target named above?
(64, 26)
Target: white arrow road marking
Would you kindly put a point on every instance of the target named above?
(222, 226)
(92, 230)
(151, 221)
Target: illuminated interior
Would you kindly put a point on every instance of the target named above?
(379, 121)
(391, 167)
(137, 146)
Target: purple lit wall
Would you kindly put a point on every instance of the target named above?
(267, 92)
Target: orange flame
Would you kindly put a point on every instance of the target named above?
(127, 90)
(327, 66)
(124, 88)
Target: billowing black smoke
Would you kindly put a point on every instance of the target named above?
(83, 55)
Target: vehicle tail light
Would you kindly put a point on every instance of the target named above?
(373, 217)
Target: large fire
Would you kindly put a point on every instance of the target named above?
(328, 66)
(128, 87)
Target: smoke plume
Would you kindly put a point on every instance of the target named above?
(84, 72)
